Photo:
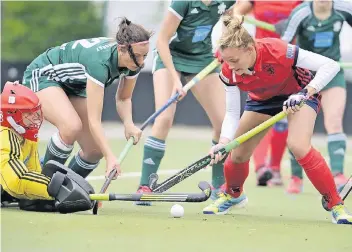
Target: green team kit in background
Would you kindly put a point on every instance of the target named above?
(322, 37)
(191, 47)
(191, 51)
(68, 66)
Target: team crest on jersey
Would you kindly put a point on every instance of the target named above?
(269, 69)
(290, 53)
(221, 8)
(337, 26)
(311, 28)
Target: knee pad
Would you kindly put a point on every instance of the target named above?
(71, 191)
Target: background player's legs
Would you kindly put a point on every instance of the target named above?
(333, 117)
(260, 155)
(236, 167)
(301, 126)
(58, 110)
(87, 159)
(210, 94)
(277, 146)
(154, 147)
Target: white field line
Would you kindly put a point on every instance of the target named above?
(285, 163)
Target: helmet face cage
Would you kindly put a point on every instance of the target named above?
(32, 119)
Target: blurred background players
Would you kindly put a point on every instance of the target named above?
(317, 26)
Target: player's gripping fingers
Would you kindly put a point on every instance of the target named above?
(215, 155)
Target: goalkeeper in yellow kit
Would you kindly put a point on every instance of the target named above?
(21, 173)
(21, 118)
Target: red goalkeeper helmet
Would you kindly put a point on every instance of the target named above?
(21, 110)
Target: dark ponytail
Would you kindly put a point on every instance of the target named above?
(129, 33)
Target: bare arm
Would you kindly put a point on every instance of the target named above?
(95, 98)
(168, 29)
(124, 100)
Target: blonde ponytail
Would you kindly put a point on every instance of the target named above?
(234, 35)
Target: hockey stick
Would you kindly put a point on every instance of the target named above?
(203, 162)
(215, 63)
(347, 188)
(159, 197)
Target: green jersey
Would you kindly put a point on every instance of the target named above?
(71, 64)
(193, 36)
(322, 37)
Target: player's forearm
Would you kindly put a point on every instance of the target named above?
(165, 55)
(97, 132)
(124, 109)
(326, 69)
(232, 116)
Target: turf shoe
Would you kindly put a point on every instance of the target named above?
(215, 191)
(141, 190)
(264, 174)
(224, 202)
(340, 215)
(276, 179)
(295, 186)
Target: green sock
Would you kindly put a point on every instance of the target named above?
(57, 150)
(337, 150)
(80, 166)
(217, 178)
(296, 169)
(154, 150)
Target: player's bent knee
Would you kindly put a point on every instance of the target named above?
(298, 149)
(333, 125)
(237, 158)
(70, 130)
(164, 122)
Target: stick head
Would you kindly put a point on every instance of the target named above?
(95, 207)
(205, 187)
(153, 179)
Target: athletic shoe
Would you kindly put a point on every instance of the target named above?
(276, 179)
(340, 181)
(224, 202)
(340, 215)
(295, 186)
(215, 191)
(264, 174)
(143, 189)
